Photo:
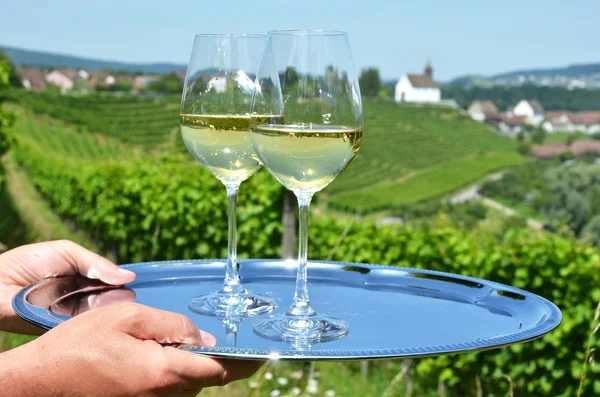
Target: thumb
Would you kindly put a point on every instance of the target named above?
(146, 323)
(92, 265)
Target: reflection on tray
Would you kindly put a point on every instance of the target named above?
(73, 295)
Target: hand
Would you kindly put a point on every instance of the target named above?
(29, 264)
(116, 351)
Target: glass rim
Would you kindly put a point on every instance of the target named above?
(232, 35)
(307, 32)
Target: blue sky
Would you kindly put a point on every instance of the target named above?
(461, 36)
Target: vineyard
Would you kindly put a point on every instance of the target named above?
(408, 153)
(412, 153)
(113, 179)
(130, 119)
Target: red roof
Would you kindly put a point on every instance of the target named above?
(514, 121)
(421, 81)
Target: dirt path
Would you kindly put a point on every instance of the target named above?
(41, 222)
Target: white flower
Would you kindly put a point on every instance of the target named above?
(282, 381)
(253, 384)
(296, 391)
(312, 387)
(296, 375)
(268, 376)
(330, 393)
(275, 393)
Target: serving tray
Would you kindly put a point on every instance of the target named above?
(392, 311)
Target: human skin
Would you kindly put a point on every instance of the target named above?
(124, 349)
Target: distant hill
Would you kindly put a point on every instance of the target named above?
(471, 81)
(21, 57)
(574, 71)
(559, 77)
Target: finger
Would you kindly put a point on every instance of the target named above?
(198, 372)
(90, 264)
(11, 322)
(146, 323)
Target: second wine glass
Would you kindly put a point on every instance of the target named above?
(306, 81)
(215, 116)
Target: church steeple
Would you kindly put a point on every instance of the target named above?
(429, 69)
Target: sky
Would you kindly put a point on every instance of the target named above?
(397, 36)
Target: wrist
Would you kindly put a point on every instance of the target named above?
(22, 374)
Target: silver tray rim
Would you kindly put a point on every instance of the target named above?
(42, 318)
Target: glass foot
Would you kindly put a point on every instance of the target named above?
(309, 329)
(224, 304)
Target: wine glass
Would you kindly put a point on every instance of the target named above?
(215, 115)
(306, 126)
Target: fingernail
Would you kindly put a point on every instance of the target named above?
(207, 339)
(125, 271)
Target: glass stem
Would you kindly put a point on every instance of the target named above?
(301, 305)
(232, 279)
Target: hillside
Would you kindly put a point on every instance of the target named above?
(568, 71)
(561, 77)
(22, 57)
(412, 153)
(504, 96)
(409, 153)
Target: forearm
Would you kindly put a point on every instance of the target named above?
(21, 374)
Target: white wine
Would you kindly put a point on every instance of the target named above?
(305, 159)
(221, 144)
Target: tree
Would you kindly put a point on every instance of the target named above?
(370, 82)
(168, 84)
(6, 119)
(290, 76)
(13, 76)
(538, 135)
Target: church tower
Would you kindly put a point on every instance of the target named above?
(429, 69)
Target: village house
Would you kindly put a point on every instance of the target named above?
(562, 121)
(484, 111)
(63, 79)
(532, 111)
(33, 79)
(511, 125)
(180, 74)
(419, 88)
(142, 81)
(577, 149)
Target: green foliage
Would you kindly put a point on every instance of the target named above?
(538, 136)
(157, 208)
(428, 184)
(559, 269)
(563, 137)
(6, 119)
(168, 84)
(370, 82)
(551, 98)
(290, 76)
(14, 80)
(524, 148)
(119, 86)
(565, 195)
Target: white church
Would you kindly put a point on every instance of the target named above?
(419, 88)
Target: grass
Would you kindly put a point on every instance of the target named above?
(563, 137)
(521, 208)
(47, 134)
(412, 153)
(144, 122)
(31, 216)
(433, 182)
